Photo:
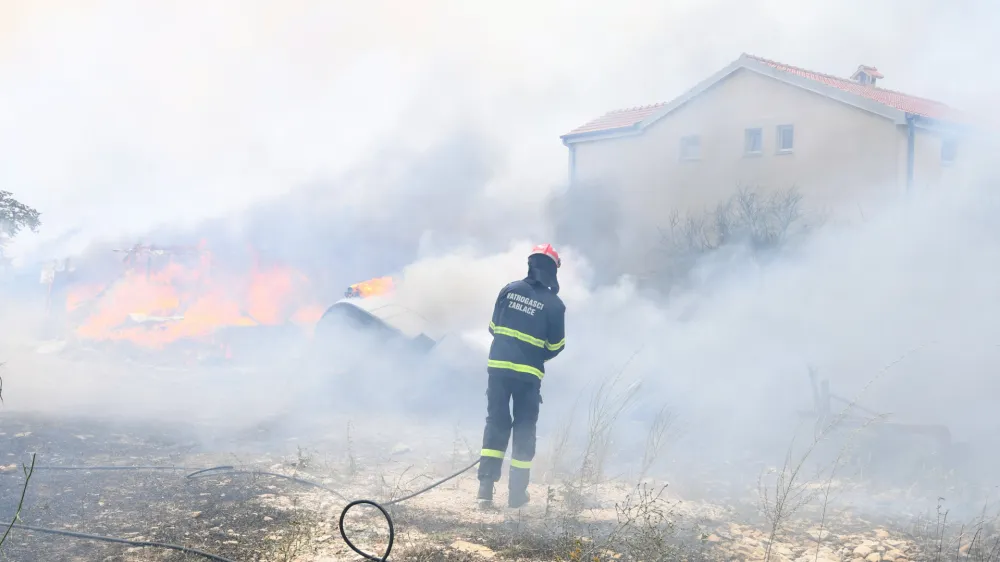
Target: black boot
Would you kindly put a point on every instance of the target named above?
(518, 499)
(517, 494)
(485, 495)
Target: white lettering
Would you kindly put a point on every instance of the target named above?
(514, 297)
(521, 308)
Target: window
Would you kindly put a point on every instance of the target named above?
(753, 141)
(690, 147)
(949, 150)
(786, 138)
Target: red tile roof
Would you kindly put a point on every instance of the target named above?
(618, 119)
(891, 98)
(629, 118)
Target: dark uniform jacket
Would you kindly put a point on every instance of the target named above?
(528, 329)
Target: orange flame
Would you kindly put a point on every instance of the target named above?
(178, 301)
(372, 287)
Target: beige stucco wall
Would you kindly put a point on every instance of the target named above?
(844, 158)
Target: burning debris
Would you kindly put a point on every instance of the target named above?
(371, 288)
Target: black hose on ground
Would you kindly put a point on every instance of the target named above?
(229, 469)
(101, 538)
(216, 470)
(388, 520)
(208, 472)
(166, 468)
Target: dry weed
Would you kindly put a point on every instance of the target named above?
(28, 471)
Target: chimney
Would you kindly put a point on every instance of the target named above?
(866, 75)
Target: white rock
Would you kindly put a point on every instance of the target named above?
(863, 550)
(819, 535)
(473, 548)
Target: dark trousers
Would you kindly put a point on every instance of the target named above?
(526, 394)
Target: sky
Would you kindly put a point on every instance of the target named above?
(423, 138)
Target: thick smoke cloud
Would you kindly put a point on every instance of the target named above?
(354, 143)
(377, 217)
(895, 312)
(123, 117)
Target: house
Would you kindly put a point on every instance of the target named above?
(763, 123)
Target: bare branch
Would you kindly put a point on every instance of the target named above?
(606, 406)
(656, 439)
(761, 220)
(28, 471)
(791, 487)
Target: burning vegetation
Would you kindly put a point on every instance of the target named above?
(165, 295)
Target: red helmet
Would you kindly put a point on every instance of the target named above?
(547, 250)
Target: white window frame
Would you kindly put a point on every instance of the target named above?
(746, 141)
(685, 142)
(778, 138)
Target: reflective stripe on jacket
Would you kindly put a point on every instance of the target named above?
(528, 328)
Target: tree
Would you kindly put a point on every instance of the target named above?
(15, 217)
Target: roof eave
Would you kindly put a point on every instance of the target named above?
(941, 125)
(897, 116)
(694, 92)
(747, 63)
(601, 134)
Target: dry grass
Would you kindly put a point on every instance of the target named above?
(28, 471)
(352, 461)
(436, 553)
(790, 488)
(943, 541)
(607, 404)
(560, 447)
(295, 538)
(657, 439)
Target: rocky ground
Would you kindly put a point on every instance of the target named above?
(252, 516)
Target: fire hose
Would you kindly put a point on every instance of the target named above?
(228, 469)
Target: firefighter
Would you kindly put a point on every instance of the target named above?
(528, 329)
